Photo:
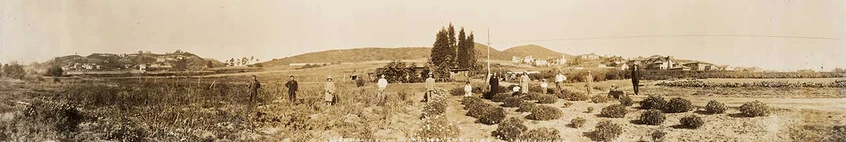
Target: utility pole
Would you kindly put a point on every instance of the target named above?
(489, 56)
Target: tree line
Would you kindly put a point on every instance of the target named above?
(449, 52)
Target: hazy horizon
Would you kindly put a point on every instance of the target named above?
(777, 35)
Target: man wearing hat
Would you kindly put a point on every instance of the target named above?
(292, 89)
(254, 86)
(430, 87)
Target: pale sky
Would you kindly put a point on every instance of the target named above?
(772, 34)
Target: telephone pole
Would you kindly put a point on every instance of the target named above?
(489, 53)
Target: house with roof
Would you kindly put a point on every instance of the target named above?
(698, 66)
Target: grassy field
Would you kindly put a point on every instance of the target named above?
(217, 108)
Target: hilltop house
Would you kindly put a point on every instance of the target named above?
(590, 56)
(529, 59)
(516, 59)
(659, 63)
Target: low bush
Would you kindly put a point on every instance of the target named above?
(492, 115)
(434, 108)
(470, 102)
(614, 111)
(526, 107)
(691, 122)
(547, 99)
(755, 109)
(678, 105)
(658, 135)
(512, 102)
(715, 107)
(589, 110)
(458, 91)
(437, 127)
(838, 134)
(500, 97)
(568, 104)
(653, 102)
(510, 129)
(652, 117)
(578, 122)
(541, 134)
(532, 96)
(626, 101)
(577, 96)
(607, 131)
(599, 99)
(542, 112)
(536, 89)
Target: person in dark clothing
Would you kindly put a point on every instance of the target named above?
(494, 82)
(254, 86)
(292, 89)
(635, 79)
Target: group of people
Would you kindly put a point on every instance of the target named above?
(331, 98)
(329, 95)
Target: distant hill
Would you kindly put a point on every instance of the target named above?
(132, 61)
(538, 52)
(376, 54)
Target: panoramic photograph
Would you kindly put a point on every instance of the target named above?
(427, 71)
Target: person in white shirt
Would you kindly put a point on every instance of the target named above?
(516, 90)
(544, 85)
(468, 90)
(559, 79)
(430, 88)
(382, 84)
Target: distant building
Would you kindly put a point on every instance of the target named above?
(516, 59)
(699, 66)
(541, 63)
(590, 56)
(529, 59)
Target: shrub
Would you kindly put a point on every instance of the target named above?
(434, 108)
(513, 102)
(532, 96)
(589, 110)
(658, 135)
(492, 115)
(14, 70)
(715, 107)
(547, 99)
(437, 126)
(755, 109)
(838, 134)
(471, 102)
(626, 101)
(599, 99)
(691, 121)
(607, 131)
(614, 111)
(536, 89)
(578, 122)
(653, 102)
(568, 104)
(500, 97)
(541, 134)
(510, 129)
(652, 117)
(542, 112)
(578, 96)
(678, 105)
(526, 107)
(458, 91)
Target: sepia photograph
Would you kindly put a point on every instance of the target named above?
(423, 70)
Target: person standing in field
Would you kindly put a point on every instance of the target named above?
(329, 92)
(254, 86)
(635, 79)
(292, 89)
(524, 83)
(544, 85)
(494, 87)
(382, 84)
(588, 81)
(468, 89)
(559, 80)
(430, 88)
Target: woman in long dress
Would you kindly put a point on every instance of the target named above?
(329, 95)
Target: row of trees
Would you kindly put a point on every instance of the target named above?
(449, 52)
(403, 72)
(241, 62)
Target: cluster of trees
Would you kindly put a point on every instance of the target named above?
(241, 62)
(449, 52)
(403, 72)
(13, 70)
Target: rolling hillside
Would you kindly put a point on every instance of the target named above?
(538, 52)
(375, 54)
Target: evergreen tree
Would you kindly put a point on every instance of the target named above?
(441, 55)
(453, 46)
(472, 59)
(462, 50)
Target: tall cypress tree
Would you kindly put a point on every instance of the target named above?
(463, 54)
(471, 52)
(453, 46)
(441, 56)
